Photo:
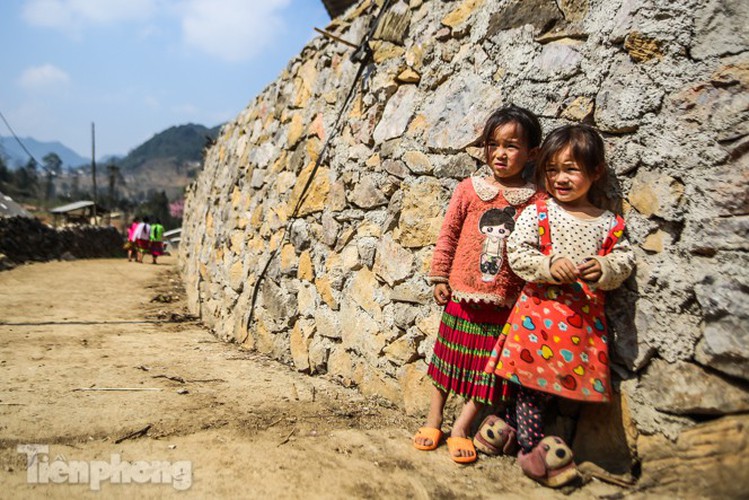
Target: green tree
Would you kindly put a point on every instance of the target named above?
(6, 176)
(52, 162)
(52, 169)
(157, 207)
(27, 180)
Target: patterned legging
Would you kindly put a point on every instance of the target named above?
(526, 415)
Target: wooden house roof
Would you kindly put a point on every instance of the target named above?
(337, 7)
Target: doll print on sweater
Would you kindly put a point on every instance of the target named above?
(496, 225)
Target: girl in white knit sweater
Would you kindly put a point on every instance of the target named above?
(555, 344)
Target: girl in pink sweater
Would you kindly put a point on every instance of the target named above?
(472, 278)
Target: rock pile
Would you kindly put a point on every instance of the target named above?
(24, 239)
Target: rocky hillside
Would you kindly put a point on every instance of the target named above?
(180, 144)
(331, 279)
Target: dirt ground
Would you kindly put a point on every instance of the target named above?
(193, 417)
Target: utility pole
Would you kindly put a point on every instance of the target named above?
(93, 165)
(113, 171)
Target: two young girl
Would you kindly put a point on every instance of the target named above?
(569, 249)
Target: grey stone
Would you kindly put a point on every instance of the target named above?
(723, 296)
(627, 319)
(730, 192)
(457, 112)
(367, 247)
(686, 389)
(396, 168)
(393, 262)
(262, 155)
(458, 166)
(68, 256)
(398, 112)
(413, 291)
(719, 106)
(725, 342)
(278, 302)
(258, 178)
(308, 300)
(5, 263)
(426, 346)
(557, 61)
(366, 194)
(327, 323)
(361, 333)
(623, 20)
(405, 314)
(647, 419)
(625, 97)
(319, 352)
(720, 29)
(330, 229)
(719, 234)
(299, 235)
(538, 13)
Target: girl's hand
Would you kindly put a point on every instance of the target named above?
(590, 270)
(564, 271)
(442, 293)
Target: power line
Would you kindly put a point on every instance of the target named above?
(23, 146)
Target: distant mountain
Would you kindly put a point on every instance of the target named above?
(180, 144)
(15, 156)
(167, 162)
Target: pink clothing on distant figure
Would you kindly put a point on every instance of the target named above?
(131, 231)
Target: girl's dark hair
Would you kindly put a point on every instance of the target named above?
(510, 113)
(497, 217)
(588, 151)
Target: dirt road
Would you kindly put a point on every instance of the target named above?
(191, 417)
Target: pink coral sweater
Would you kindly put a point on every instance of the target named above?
(470, 254)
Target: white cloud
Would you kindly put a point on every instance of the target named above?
(151, 102)
(185, 109)
(44, 76)
(233, 30)
(71, 15)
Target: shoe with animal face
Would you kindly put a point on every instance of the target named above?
(496, 437)
(550, 462)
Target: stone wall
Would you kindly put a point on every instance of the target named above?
(25, 239)
(345, 294)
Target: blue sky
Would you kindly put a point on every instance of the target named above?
(137, 67)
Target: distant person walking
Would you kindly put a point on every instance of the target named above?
(142, 239)
(157, 240)
(130, 245)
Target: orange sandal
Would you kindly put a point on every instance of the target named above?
(461, 444)
(429, 433)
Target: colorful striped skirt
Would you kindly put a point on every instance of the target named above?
(143, 246)
(157, 248)
(467, 335)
